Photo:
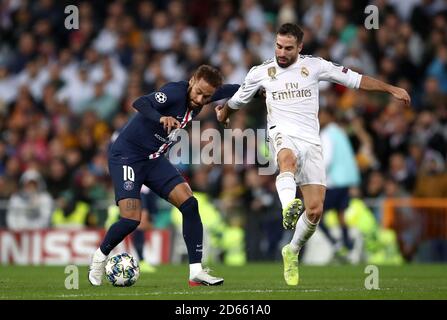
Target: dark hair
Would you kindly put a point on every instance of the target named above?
(291, 29)
(209, 74)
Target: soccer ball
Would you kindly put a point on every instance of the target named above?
(122, 270)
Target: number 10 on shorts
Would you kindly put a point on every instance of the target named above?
(128, 173)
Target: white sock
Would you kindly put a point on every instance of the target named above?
(304, 230)
(99, 255)
(286, 187)
(194, 269)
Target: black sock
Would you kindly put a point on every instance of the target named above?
(138, 242)
(116, 233)
(192, 229)
(345, 235)
(327, 233)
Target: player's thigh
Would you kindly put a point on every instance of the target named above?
(127, 179)
(311, 165)
(180, 194)
(285, 153)
(130, 208)
(163, 178)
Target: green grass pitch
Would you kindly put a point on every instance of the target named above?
(261, 281)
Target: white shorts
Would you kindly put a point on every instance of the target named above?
(309, 156)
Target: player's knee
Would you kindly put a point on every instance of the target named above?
(314, 212)
(180, 194)
(130, 209)
(190, 208)
(287, 161)
(191, 204)
(133, 215)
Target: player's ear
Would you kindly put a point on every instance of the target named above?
(300, 46)
(191, 81)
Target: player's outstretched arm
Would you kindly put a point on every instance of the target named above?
(371, 84)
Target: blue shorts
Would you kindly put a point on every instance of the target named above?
(158, 174)
(336, 198)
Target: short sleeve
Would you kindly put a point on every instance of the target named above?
(333, 72)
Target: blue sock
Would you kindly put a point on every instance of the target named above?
(138, 242)
(192, 229)
(116, 233)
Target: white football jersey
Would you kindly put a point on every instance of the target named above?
(292, 97)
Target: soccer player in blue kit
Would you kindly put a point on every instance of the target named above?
(136, 158)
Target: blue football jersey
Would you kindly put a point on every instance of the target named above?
(144, 137)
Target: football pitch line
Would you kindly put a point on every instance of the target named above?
(157, 293)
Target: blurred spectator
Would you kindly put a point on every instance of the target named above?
(26, 51)
(262, 226)
(319, 18)
(8, 87)
(408, 222)
(375, 185)
(253, 15)
(287, 12)
(102, 103)
(162, 34)
(341, 174)
(71, 212)
(31, 206)
(77, 90)
(432, 177)
(429, 131)
(438, 68)
(399, 171)
(58, 178)
(107, 39)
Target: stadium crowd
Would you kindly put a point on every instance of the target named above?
(64, 93)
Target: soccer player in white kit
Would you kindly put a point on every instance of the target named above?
(291, 81)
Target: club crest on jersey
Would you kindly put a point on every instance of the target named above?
(272, 73)
(304, 72)
(128, 185)
(160, 97)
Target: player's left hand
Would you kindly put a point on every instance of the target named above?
(401, 94)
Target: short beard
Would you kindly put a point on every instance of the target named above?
(189, 97)
(284, 65)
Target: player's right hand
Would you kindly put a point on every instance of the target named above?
(401, 94)
(221, 117)
(169, 123)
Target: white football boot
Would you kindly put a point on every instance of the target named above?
(96, 270)
(204, 279)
